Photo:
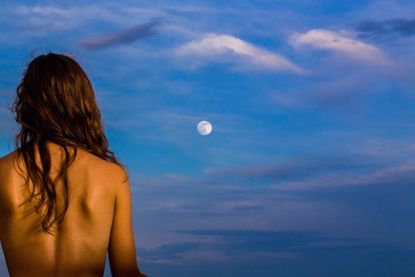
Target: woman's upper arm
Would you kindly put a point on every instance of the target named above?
(121, 249)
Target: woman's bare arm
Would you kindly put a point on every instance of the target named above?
(121, 249)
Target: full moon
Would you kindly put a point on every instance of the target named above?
(204, 128)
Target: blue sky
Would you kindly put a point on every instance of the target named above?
(309, 169)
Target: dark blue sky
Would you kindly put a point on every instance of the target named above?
(309, 169)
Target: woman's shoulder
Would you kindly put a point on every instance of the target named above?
(7, 161)
(108, 170)
(9, 156)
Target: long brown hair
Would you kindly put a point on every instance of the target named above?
(55, 102)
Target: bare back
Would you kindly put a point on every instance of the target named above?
(98, 220)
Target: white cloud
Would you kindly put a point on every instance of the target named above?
(44, 19)
(217, 46)
(340, 42)
(393, 174)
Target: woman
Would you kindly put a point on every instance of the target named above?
(65, 200)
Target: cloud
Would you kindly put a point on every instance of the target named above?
(168, 253)
(386, 29)
(386, 9)
(248, 241)
(249, 244)
(41, 20)
(326, 259)
(123, 37)
(41, 17)
(221, 47)
(289, 176)
(305, 167)
(346, 91)
(403, 173)
(240, 191)
(339, 42)
(325, 193)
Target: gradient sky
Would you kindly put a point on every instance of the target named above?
(309, 169)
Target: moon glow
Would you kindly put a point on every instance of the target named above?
(204, 127)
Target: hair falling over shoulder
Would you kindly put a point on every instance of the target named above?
(55, 102)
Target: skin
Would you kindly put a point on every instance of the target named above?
(98, 220)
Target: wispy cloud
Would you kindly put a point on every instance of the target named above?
(293, 169)
(221, 47)
(402, 174)
(385, 9)
(339, 42)
(309, 174)
(123, 37)
(386, 29)
(252, 244)
(310, 192)
(46, 18)
(241, 252)
(302, 174)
